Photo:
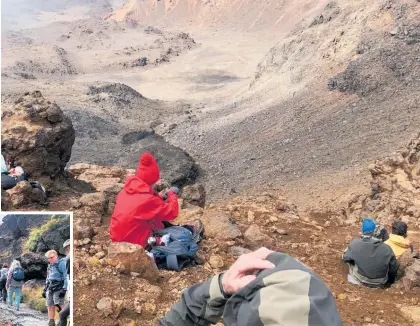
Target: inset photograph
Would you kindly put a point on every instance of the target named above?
(35, 268)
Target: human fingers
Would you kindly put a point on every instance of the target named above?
(244, 281)
(261, 253)
(252, 264)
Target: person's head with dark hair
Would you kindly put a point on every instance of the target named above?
(399, 228)
(381, 233)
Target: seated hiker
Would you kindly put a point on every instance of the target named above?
(10, 177)
(398, 239)
(139, 210)
(371, 262)
(261, 288)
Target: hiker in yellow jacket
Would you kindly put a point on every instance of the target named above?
(398, 239)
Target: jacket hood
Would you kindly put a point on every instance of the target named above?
(148, 170)
(399, 240)
(135, 185)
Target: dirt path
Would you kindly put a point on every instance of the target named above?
(24, 317)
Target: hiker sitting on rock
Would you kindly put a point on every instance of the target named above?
(56, 285)
(261, 288)
(398, 239)
(371, 262)
(10, 177)
(139, 210)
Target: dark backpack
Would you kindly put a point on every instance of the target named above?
(179, 252)
(3, 274)
(18, 274)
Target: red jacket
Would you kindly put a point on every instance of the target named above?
(138, 211)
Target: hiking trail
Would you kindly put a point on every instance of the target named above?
(24, 317)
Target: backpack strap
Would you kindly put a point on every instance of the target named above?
(172, 263)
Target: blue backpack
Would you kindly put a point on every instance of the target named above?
(180, 250)
(18, 274)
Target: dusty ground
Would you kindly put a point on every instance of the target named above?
(308, 239)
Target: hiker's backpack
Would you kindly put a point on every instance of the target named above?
(180, 250)
(18, 274)
(3, 274)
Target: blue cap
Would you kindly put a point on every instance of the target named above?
(368, 225)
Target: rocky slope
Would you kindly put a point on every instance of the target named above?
(117, 282)
(339, 91)
(324, 93)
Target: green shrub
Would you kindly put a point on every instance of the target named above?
(37, 233)
(33, 298)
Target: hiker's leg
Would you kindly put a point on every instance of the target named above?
(58, 302)
(64, 314)
(10, 296)
(20, 178)
(17, 298)
(7, 182)
(51, 312)
(50, 305)
(4, 294)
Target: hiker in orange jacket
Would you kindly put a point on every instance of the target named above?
(398, 239)
(139, 210)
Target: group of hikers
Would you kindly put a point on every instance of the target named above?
(260, 288)
(373, 258)
(12, 281)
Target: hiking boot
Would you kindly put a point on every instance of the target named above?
(51, 322)
(62, 323)
(198, 230)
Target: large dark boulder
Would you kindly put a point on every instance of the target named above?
(177, 166)
(37, 136)
(35, 265)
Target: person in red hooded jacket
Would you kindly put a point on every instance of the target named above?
(139, 210)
